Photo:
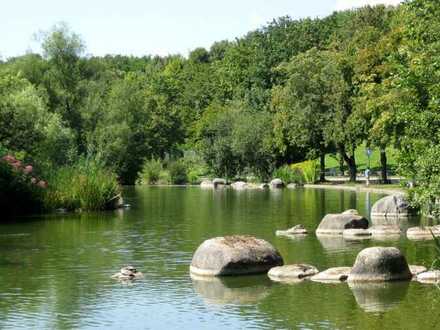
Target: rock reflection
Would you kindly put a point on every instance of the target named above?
(379, 297)
(238, 290)
(336, 243)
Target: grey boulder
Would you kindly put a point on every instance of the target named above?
(276, 184)
(394, 206)
(379, 264)
(335, 224)
(234, 255)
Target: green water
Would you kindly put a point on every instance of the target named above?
(55, 271)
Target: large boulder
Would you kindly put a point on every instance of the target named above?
(276, 184)
(378, 264)
(335, 224)
(394, 206)
(293, 272)
(234, 255)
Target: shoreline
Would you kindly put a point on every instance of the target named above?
(385, 191)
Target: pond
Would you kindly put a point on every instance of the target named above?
(55, 271)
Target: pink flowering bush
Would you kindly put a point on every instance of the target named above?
(20, 190)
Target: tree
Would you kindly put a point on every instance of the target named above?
(62, 49)
(27, 126)
(307, 104)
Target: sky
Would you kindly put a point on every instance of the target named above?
(151, 27)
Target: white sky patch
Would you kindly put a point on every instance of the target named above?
(348, 4)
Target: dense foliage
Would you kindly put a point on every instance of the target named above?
(291, 91)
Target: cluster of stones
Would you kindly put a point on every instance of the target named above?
(242, 255)
(241, 185)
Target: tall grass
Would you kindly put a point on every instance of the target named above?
(436, 262)
(86, 185)
(151, 171)
(289, 174)
(309, 170)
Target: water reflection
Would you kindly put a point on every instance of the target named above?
(379, 297)
(337, 244)
(231, 290)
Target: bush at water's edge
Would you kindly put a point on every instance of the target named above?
(86, 185)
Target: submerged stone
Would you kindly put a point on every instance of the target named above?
(234, 255)
(377, 264)
(432, 276)
(423, 233)
(293, 272)
(335, 274)
(239, 185)
(356, 234)
(295, 230)
(416, 270)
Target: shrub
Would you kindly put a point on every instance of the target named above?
(86, 185)
(308, 169)
(20, 191)
(288, 174)
(151, 171)
(177, 172)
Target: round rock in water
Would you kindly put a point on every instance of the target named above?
(335, 224)
(429, 277)
(394, 206)
(277, 184)
(336, 274)
(378, 264)
(234, 255)
(292, 272)
(416, 270)
(422, 233)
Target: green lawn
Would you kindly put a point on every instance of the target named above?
(332, 161)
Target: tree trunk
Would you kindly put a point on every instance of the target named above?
(322, 167)
(351, 164)
(383, 164)
(341, 166)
